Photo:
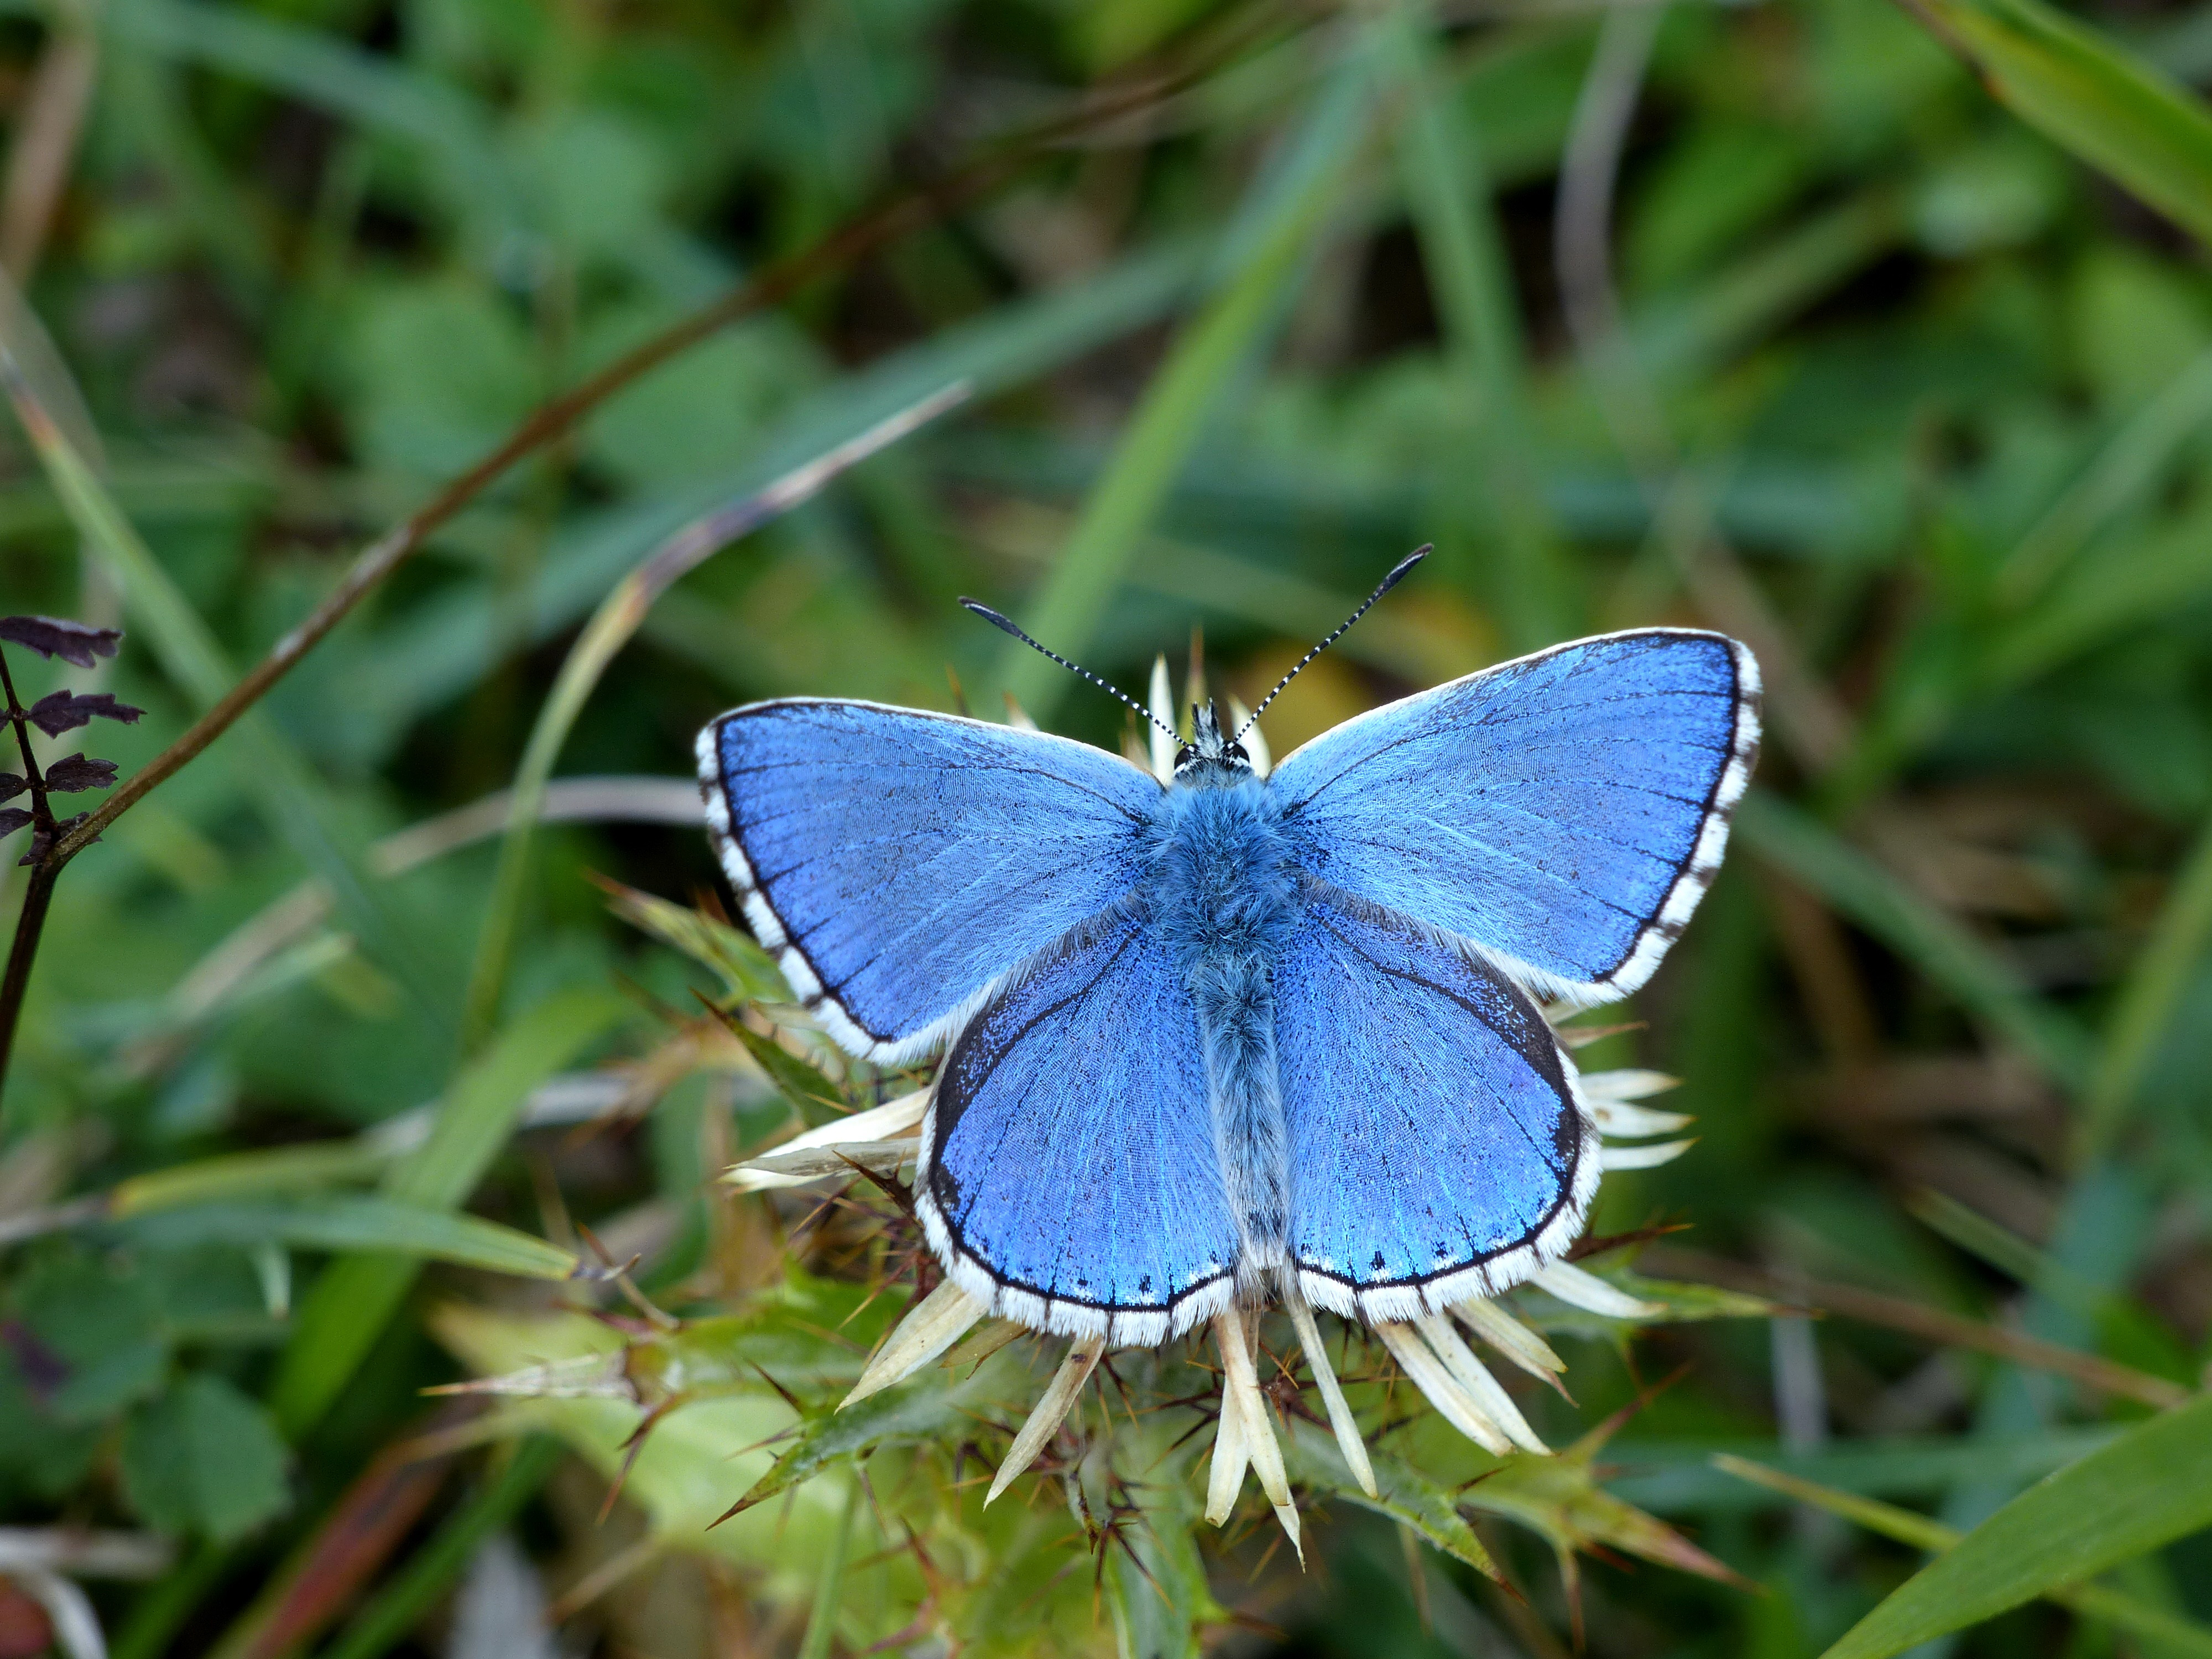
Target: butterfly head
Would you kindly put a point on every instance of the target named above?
(1209, 756)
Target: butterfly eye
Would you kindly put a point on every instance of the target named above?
(1184, 757)
(1236, 751)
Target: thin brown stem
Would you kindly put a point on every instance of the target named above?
(1935, 1325)
(779, 282)
(38, 896)
(18, 717)
(29, 922)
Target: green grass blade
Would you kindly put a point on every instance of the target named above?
(277, 1170)
(2123, 473)
(1861, 889)
(2150, 1486)
(360, 1222)
(478, 1113)
(314, 68)
(2089, 95)
(1670, 1477)
(2149, 996)
(2135, 583)
(1450, 193)
(822, 1620)
(1265, 250)
(346, 1311)
(2174, 1635)
(1681, 339)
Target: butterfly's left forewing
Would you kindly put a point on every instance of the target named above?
(898, 862)
(1439, 1147)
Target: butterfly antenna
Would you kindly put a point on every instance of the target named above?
(999, 621)
(1388, 583)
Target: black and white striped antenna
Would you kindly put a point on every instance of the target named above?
(998, 620)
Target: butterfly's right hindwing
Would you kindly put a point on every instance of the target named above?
(899, 863)
(1068, 1178)
(1439, 1146)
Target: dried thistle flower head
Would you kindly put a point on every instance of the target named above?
(1431, 1351)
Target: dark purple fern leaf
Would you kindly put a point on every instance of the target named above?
(58, 636)
(68, 776)
(64, 711)
(12, 818)
(12, 784)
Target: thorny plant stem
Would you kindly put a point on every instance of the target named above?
(786, 277)
(38, 894)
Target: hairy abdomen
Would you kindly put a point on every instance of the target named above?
(1223, 897)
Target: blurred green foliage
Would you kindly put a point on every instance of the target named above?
(1877, 337)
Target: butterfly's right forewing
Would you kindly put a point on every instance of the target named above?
(1565, 812)
(900, 863)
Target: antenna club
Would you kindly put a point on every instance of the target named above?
(1397, 572)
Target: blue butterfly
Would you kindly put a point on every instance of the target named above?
(1210, 1034)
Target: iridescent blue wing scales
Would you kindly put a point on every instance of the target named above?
(1439, 1146)
(899, 862)
(1068, 1177)
(1565, 811)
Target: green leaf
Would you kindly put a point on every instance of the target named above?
(1161, 1599)
(204, 1459)
(745, 968)
(897, 1416)
(2150, 1486)
(356, 1222)
(102, 1322)
(692, 1463)
(2085, 93)
(819, 1332)
(1401, 1494)
(1560, 1499)
(812, 1095)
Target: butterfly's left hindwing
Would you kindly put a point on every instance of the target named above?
(898, 863)
(1439, 1147)
(1068, 1175)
